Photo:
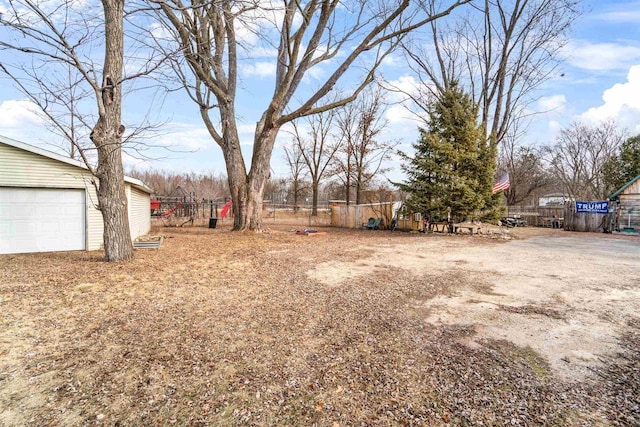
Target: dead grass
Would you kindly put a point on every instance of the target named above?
(219, 328)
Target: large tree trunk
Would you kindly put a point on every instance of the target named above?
(112, 198)
(107, 137)
(348, 177)
(314, 197)
(296, 189)
(247, 190)
(237, 178)
(359, 189)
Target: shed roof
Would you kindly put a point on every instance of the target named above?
(55, 156)
(624, 187)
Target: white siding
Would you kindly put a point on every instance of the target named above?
(139, 211)
(20, 168)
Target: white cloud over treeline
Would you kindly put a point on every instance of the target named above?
(620, 102)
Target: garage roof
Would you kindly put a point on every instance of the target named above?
(55, 156)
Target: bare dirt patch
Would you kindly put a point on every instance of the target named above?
(348, 328)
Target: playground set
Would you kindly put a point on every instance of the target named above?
(180, 208)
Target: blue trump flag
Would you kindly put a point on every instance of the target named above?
(601, 207)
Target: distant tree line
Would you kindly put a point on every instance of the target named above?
(203, 186)
(344, 149)
(585, 162)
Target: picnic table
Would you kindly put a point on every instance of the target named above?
(471, 227)
(440, 226)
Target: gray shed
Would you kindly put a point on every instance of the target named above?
(627, 211)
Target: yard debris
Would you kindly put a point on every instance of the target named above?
(533, 309)
(310, 232)
(148, 242)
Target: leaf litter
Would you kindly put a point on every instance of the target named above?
(220, 328)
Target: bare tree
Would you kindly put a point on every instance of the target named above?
(336, 35)
(501, 53)
(364, 153)
(579, 155)
(297, 168)
(276, 189)
(59, 99)
(318, 149)
(526, 168)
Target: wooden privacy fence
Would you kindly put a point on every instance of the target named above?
(580, 221)
(354, 216)
(539, 216)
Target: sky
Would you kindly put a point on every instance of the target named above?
(599, 79)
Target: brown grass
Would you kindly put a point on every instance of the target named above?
(221, 328)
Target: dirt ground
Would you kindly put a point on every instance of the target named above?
(338, 328)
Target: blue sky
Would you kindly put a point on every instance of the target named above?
(601, 80)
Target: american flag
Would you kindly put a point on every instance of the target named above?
(502, 183)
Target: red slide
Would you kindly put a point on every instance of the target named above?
(225, 209)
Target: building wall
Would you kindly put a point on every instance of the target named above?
(139, 211)
(628, 210)
(20, 168)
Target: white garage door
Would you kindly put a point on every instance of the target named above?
(41, 220)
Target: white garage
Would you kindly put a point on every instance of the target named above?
(48, 202)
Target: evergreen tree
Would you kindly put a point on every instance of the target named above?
(454, 164)
(625, 167)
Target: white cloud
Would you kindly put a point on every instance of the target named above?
(401, 112)
(554, 127)
(262, 52)
(393, 61)
(315, 73)
(246, 143)
(132, 161)
(620, 102)
(405, 84)
(601, 56)
(247, 128)
(253, 23)
(19, 114)
(553, 103)
(259, 69)
(632, 16)
(160, 32)
(627, 12)
(185, 137)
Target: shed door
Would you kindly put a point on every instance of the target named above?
(41, 220)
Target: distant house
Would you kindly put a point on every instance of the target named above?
(48, 203)
(627, 206)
